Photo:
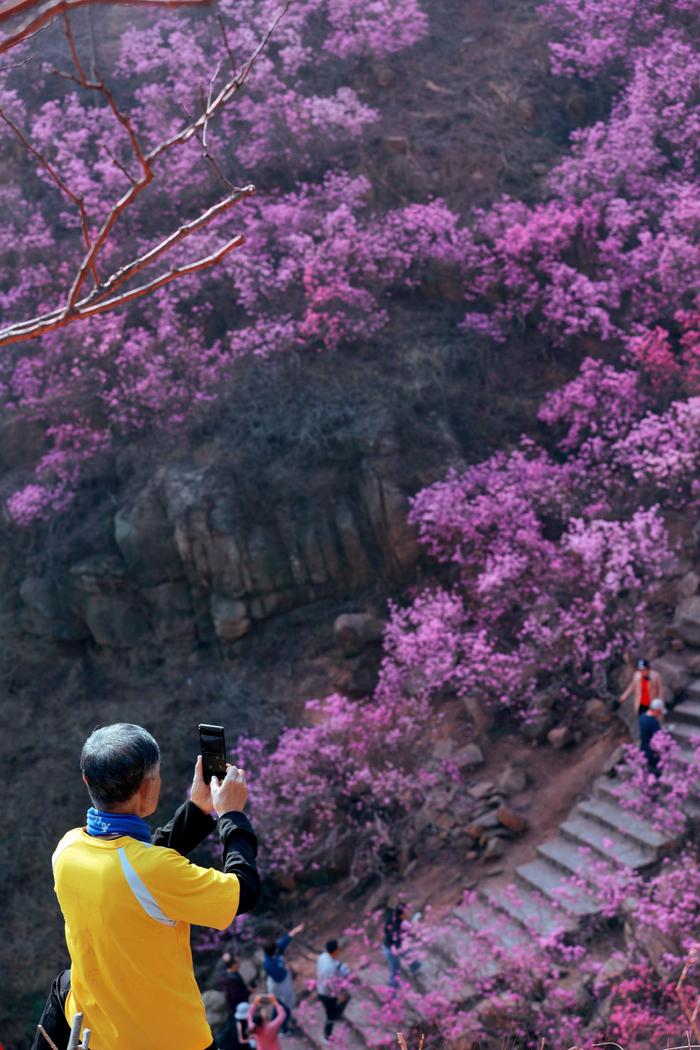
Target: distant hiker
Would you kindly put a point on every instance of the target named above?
(262, 1027)
(232, 984)
(235, 992)
(645, 686)
(128, 898)
(279, 980)
(330, 976)
(243, 1027)
(649, 724)
(391, 946)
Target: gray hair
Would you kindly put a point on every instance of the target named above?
(115, 761)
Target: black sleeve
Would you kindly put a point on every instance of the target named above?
(188, 828)
(240, 850)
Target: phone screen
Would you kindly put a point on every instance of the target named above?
(213, 747)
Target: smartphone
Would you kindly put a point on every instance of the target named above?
(213, 749)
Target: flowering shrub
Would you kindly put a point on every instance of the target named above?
(318, 263)
(611, 252)
(343, 790)
(499, 523)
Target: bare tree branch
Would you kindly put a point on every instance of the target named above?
(56, 178)
(51, 322)
(101, 298)
(40, 14)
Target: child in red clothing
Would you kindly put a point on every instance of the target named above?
(263, 1030)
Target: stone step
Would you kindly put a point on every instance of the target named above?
(558, 886)
(506, 934)
(303, 1039)
(685, 733)
(360, 1027)
(531, 910)
(688, 711)
(612, 789)
(456, 942)
(572, 858)
(623, 820)
(484, 954)
(494, 936)
(608, 843)
(692, 690)
(373, 977)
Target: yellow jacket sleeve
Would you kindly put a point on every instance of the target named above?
(186, 892)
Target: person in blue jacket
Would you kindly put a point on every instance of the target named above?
(279, 979)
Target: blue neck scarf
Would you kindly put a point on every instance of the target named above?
(100, 823)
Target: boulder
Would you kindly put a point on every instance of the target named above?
(488, 805)
(115, 620)
(481, 824)
(656, 945)
(481, 789)
(145, 540)
(537, 726)
(511, 820)
(444, 749)
(468, 756)
(559, 737)
(498, 1011)
(363, 677)
(354, 631)
(488, 820)
(687, 620)
(495, 847)
(513, 780)
(575, 986)
(170, 611)
(230, 618)
(47, 612)
(613, 969)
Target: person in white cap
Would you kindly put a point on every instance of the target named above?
(649, 724)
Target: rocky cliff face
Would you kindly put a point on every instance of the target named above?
(199, 553)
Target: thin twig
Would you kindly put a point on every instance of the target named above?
(90, 305)
(47, 12)
(76, 198)
(229, 49)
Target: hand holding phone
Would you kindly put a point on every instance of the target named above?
(230, 794)
(201, 792)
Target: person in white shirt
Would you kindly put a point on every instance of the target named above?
(331, 975)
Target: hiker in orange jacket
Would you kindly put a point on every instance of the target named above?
(646, 685)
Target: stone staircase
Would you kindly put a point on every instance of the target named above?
(552, 893)
(598, 830)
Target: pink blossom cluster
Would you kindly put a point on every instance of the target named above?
(615, 244)
(342, 790)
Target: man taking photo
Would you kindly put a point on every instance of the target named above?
(128, 899)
